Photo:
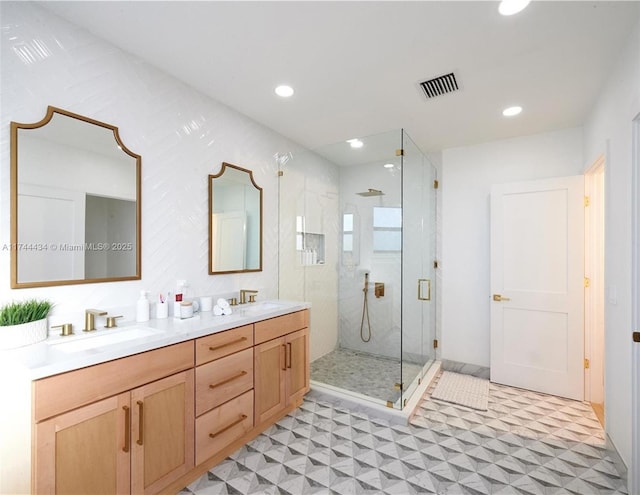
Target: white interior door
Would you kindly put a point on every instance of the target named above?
(537, 285)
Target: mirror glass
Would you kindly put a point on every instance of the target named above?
(235, 221)
(75, 203)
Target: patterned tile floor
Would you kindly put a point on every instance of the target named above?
(526, 443)
(363, 373)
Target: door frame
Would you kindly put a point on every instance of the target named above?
(594, 272)
(634, 472)
(504, 366)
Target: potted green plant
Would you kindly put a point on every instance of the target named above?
(23, 323)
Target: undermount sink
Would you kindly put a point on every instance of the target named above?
(261, 307)
(104, 338)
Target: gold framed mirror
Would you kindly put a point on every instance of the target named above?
(235, 221)
(75, 203)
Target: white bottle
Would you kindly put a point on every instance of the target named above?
(142, 307)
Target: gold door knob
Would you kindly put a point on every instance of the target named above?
(498, 297)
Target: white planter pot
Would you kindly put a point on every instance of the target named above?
(13, 336)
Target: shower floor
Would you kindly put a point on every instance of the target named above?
(363, 373)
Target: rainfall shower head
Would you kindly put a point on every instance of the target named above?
(371, 192)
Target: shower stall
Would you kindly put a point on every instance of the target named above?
(357, 238)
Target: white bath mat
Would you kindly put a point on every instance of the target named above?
(464, 390)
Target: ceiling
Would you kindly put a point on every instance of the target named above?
(356, 66)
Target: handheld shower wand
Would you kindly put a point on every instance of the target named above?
(365, 309)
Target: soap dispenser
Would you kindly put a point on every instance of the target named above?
(142, 307)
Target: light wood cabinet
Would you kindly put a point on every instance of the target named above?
(153, 422)
(297, 377)
(220, 427)
(137, 441)
(162, 427)
(270, 379)
(224, 390)
(281, 368)
(221, 380)
(82, 451)
(222, 344)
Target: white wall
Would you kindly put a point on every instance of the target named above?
(467, 176)
(182, 136)
(608, 131)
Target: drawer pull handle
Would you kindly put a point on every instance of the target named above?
(230, 379)
(228, 427)
(237, 341)
(289, 354)
(127, 428)
(140, 422)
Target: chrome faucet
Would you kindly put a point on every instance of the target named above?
(243, 296)
(90, 319)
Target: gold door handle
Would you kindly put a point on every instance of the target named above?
(288, 354)
(140, 422)
(227, 380)
(233, 342)
(420, 285)
(499, 298)
(228, 427)
(284, 355)
(127, 428)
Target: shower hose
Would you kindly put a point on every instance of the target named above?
(365, 310)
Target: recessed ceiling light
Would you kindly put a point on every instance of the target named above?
(355, 143)
(389, 165)
(511, 111)
(284, 91)
(510, 7)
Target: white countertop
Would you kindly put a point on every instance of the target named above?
(61, 354)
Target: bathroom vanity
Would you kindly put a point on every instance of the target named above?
(149, 409)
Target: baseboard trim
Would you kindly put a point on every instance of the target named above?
(618, 462)
(466, 368)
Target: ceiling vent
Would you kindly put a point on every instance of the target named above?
(440, 85)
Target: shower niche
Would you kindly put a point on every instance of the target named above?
(309, 246)
(368, 215)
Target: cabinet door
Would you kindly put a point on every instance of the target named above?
(269, 375)
(297, 363)
(162, 432)
(85, 450)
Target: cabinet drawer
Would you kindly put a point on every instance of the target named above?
(60, 393)
(219, 427)
(222, 344)
(223, 379)
(282, 325)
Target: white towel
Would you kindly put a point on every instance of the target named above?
(218, 311)
(223, 303)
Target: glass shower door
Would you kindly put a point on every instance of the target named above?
(418, 274)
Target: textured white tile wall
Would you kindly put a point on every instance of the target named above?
(181, 134)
